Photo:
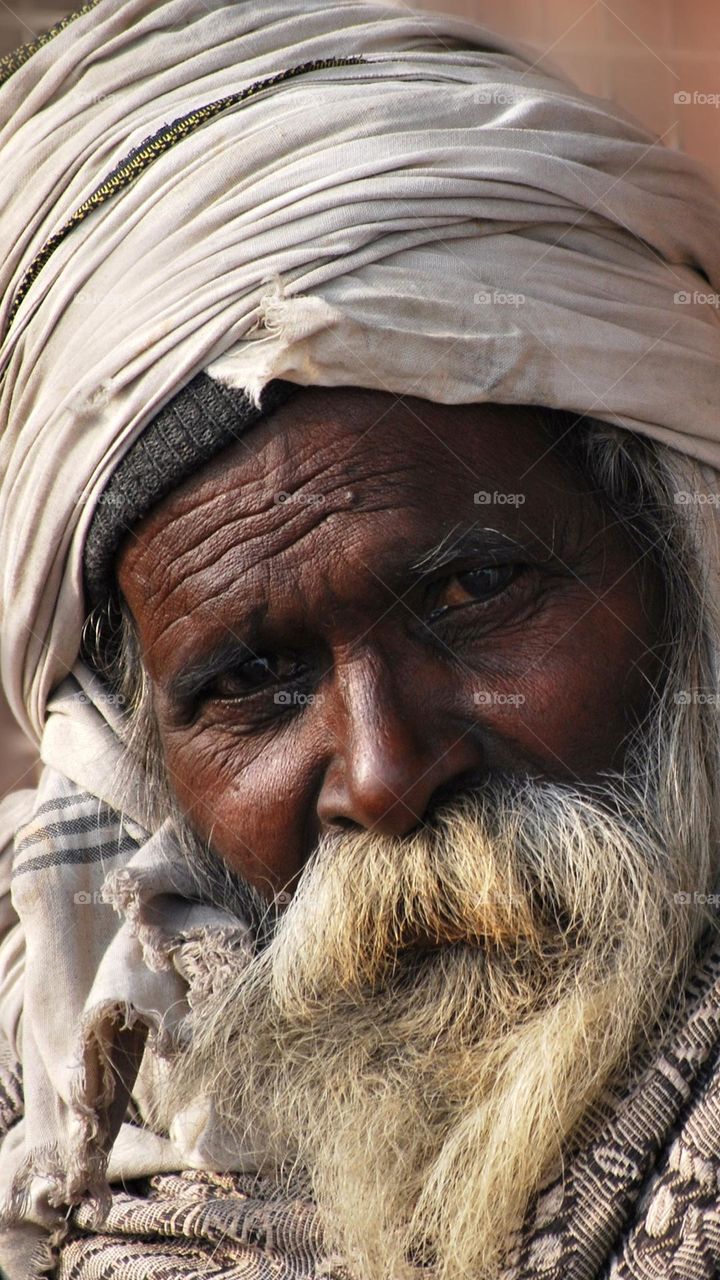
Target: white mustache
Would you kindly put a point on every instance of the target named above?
(505, 868)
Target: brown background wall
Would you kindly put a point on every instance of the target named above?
(642, 53)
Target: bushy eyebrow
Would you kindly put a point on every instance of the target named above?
(460, 545)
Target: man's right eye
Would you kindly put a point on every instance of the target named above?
(255, 675)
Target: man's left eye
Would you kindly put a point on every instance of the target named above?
(475, 586)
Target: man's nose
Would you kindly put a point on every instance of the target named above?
(390, 769)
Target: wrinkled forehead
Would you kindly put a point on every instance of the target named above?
(342, 466)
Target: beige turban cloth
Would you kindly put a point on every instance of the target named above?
(330, 193)
(441, 219)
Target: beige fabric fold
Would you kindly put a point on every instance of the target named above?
(482, 231)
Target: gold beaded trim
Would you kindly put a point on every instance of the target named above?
(11, 62)
(142, 156)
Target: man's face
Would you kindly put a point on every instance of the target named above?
(400, 702)
(316, 669)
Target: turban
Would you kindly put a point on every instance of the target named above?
(341, 193)
(324, 193)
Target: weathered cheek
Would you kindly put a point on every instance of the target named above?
(194, 776)
(251, 807)
(589, 692)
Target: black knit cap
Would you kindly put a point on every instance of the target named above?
(203, 418)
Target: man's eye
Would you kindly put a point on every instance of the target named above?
(254, 675)
(474, 586)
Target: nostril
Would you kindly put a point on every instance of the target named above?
(341, 823)
(470, 780)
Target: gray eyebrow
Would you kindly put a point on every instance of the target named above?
(470, 542)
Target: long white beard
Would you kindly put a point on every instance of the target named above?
(426, 1094)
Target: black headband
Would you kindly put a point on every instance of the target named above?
(203, 418)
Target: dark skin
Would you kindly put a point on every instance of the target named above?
(527, 649)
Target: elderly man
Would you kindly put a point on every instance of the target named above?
(359, 584)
